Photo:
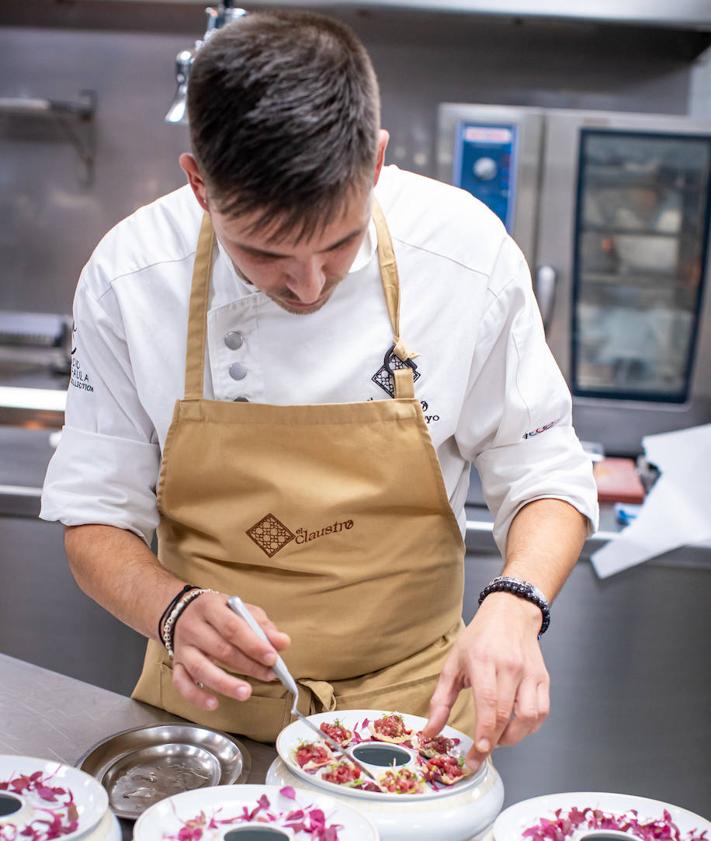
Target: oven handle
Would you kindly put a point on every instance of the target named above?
(546, 280)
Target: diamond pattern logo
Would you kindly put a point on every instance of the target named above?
(384, 375)
(270, 534)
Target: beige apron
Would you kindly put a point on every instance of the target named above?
(333, 518)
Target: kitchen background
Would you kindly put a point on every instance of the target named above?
(630, 656)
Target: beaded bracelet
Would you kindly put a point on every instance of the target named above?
(523, 589)
(169, 626)
(171, 604)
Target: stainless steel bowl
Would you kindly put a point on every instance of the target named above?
(141, 766)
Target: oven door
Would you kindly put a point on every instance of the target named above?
(623, 235)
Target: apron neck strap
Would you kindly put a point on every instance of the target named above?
(390, 279)
(404, 377)
(200, 294)
(197, 318)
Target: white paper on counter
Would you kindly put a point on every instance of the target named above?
(676, 512)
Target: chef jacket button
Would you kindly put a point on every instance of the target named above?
(241, 400)
(238, 371)
(234, 340)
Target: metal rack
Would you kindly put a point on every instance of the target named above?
(74, 119)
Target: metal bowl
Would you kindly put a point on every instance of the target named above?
(141, 766)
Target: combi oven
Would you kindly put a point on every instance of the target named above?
(612, 213)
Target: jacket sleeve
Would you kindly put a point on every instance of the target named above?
(106, 466)
(515, 425)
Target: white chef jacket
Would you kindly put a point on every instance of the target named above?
(491, 392)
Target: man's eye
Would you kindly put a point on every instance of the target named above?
(264, 258)
(343, 245)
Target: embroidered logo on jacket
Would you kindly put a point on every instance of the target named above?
(384, 378)
(271, 535)
(78, 378)
(534, 432)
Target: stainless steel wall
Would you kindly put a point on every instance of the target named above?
(50, 221)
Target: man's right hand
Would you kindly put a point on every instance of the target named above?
(115, 568)
(208, 632)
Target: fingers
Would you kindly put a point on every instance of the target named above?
(445, 694)
(238, 633)
(487, 704)
(507, 705)
(210, 626)
(278, 638)
(209, 633)
(218, 649)
(196, 677)
(530, 711)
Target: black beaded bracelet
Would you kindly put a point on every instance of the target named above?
(171, 605)
(523, 589)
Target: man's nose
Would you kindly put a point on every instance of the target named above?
(307, 281)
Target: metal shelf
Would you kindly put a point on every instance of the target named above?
(20, 106)
(74, 119)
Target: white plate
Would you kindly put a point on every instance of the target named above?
(164, 820)
(511, 823)
(90, 799)
(109, 829)
(297, 732)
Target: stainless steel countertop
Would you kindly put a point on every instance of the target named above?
(48, 715)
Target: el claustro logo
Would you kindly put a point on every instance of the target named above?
(271, 535)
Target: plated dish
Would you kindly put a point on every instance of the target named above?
(390, 745)
(252, 813)
(42, 800)
(405, 804)
(575, 816)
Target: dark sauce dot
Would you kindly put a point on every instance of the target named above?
(9, 805)
(384, 756)
(255, 833)
(597, 837)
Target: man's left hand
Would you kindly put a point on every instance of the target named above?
(499, 657)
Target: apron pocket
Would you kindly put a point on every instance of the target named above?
(260, 717)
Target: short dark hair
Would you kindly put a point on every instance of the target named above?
(284, 115)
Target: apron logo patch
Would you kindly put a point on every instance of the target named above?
(271, 535)
(383, 377)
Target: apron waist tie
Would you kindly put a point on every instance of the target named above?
(319, 697)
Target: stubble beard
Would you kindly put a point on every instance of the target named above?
(296, 310)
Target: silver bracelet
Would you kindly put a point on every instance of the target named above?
(169, 626)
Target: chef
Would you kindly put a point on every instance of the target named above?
(287, 368)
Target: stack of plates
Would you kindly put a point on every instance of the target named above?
(42, 799)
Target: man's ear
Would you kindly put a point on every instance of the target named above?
(190, 167)
(383, 138)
